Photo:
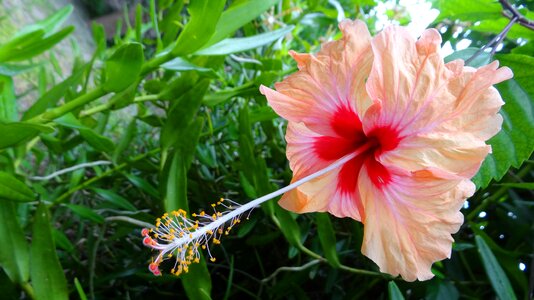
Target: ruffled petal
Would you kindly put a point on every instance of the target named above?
(408, 80)
(408, 223)
(456, 143)
(332, 79)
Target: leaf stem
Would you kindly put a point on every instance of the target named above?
(69, 106)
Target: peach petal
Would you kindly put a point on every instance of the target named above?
(408, 225)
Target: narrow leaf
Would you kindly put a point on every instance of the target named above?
(234, 45)
(14, 259)
(327, 238)
(201, 26)
(238, 15)
(47, 275)
(394, 292)
(13, 189)
(497, 277)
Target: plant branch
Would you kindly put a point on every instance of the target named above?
(70, 169)
(511, 12)
(494, 42)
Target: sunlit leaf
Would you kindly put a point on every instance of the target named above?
(234, 45)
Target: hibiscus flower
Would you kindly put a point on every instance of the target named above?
(415, 125)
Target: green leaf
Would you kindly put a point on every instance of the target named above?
(327, 238)
(47, 274)
(85, 213)
(8, 103)
(498, 279)
(234, 45)
(237, 15)
(474, 10)
(18, 132)
(97, 141)
(13, 189)
(143, 185)
(52, 96)
(394, 292)
(180, 65)
(496, 26)
(50, 24)
(125, 141)
(522, 185)
(289, 227)
(115, 199)
(482, 59)
(442, 290)
(61, 240)
(13, 70)
(201, 26)
(123, 67)
(35, 48)
(197, 282)
(515, 143)
(79, 289)
(14, 259)
(182, 114)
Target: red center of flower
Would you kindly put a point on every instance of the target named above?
(351, 137)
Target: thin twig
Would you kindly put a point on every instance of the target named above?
(496, 40)
(70, 169)
(129, 220)
(513, 13)
(291, 269)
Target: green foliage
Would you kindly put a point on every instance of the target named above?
(171, 105)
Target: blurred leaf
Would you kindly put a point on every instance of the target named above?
(180, 65)
(474, 10)
(47, 274)
(142, 184)
(234, 45)
(182, 114)
(52, 96)
(515, 143)
(14, 254)
(125, 142)
(201, 26)
(17, 132)
(480, 60)
(394, 292)
(496, 26)
(495, 273)
(50, 24)
(114, 198)
(442, 290)
(522, 185)
(12, 69)
(79, 289)
(327, 238)
(8, 104)
(61, 240)
(13, 189)
(97, 141)
(289, 227)
(85, 213)
(237, 15)
(218, 97)
(27, 51)
(123, 68)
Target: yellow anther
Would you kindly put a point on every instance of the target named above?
(213, 205)
(203, 247)
(197, 260)
(194, 215)
(219, 214)
(169, 255)
(209, 231)
(220, 231)
(221, 199)
(212, 259)
(202, 213)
